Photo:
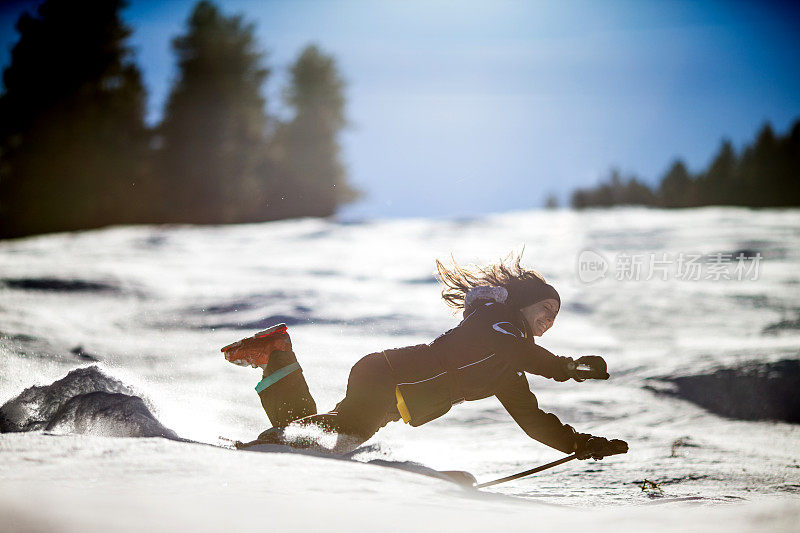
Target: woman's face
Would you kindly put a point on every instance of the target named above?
(540, 316)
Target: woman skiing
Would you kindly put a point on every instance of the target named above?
(504, 307)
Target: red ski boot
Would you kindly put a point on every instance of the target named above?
(255, 351)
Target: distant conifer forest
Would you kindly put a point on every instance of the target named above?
(76, 152)
(765, 173)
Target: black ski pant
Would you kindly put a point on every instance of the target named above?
(369, 404)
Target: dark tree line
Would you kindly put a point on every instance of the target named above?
(764, 174)
(75, 151)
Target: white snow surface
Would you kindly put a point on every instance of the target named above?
(153, 305)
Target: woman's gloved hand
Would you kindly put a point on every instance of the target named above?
(564, 371)
(587, 367)
(591, 447)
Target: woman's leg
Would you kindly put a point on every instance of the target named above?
(370, 402)
(368, 405)
(283, 390)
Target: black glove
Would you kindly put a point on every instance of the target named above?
(588, 367)
(565, 370)
(591, 447)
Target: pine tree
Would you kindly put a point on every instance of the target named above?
(73, 141)
(213, 143)
(551, 201)
(770, 169)
(677, 188)
(757, 166)
(790, 176)
(307, 147)
(720, 184)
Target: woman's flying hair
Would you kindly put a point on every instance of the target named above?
(458, 280)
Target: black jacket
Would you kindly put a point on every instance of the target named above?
(485, 355)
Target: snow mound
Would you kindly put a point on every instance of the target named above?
(751, 391)
(109, 415)
(87, 401)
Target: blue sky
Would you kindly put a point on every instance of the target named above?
(462, 107)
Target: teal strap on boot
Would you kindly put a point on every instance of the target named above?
(277, 376)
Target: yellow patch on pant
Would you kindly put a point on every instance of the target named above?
(401, 406)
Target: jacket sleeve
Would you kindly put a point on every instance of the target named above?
(494, 330)
(544, 427)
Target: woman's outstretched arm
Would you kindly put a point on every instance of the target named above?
(523, 407)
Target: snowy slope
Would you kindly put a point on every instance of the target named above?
(149, 308)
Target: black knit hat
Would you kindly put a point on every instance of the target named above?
(525, 292)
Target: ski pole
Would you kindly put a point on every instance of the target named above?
(527, 472)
